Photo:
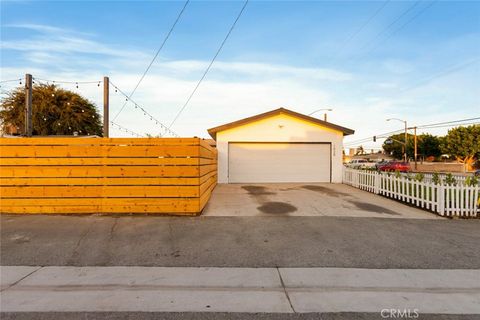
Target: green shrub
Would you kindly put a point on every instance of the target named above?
(435, 178)
(471, 181)
(419, 177)
(450, 180)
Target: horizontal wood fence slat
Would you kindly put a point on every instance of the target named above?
(444, 199)
(53, 141)
(106, 175)
(127, 151)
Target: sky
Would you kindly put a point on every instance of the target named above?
(367, 60)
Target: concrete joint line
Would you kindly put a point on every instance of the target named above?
(109, 287)
(285, 290)
(19, 280)
(383, 289)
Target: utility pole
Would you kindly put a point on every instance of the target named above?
(325, 117)
(106, 102)
(28, 105)
(415, 145)
(406, 137)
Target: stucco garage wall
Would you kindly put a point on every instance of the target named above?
(280, 128)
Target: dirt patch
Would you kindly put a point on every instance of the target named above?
(277, 207)
(326, 191)
(372, 207)
(257, 190)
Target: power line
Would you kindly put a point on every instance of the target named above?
(146, 113)
(392, 23)
(405, 24)
(448, 122)
(451, 125)
(370, 138)
(425, 126)
(210, 65)
(448, 71)
(367, 22)
(386, 135)
(154, 58)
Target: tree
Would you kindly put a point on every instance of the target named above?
(395, 147)
(55, 112)
(463, 143)
(428, 145)
(360, 151)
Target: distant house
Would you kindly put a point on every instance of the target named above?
(279, 146)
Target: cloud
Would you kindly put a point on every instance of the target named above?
(237, 89)
(41, 28)
(53, 40)
(253, 69)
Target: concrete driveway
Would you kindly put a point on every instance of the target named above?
(322, 199)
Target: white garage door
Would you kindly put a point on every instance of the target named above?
(278, 162)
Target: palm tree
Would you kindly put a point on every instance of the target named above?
(55, 112)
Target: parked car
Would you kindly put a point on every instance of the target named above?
(360, 164)
(395, 166)
(380, 163)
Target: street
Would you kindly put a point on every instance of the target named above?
(279, 241)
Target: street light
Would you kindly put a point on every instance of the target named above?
(324, 115)
(405, 145)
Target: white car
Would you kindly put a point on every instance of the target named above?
(360, 164)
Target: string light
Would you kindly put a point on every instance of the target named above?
(69, 82)
(11, 80)
(125, 129)
(145, 113)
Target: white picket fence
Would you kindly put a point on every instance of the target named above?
(446, 200)
(428, 177)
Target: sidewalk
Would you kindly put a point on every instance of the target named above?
(273, 290)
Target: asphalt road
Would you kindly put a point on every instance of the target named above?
(239, 242)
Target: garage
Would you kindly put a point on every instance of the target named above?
(279, 146)
(292, 162)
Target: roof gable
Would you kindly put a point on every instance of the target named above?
(213, 131)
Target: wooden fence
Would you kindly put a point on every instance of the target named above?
(102, 175)
(446, 200)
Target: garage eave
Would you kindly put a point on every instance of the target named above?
(213, 131)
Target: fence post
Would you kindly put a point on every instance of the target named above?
(106, 103)
(377, 182)
(28, 105)
(476, 202)
(440, 199)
